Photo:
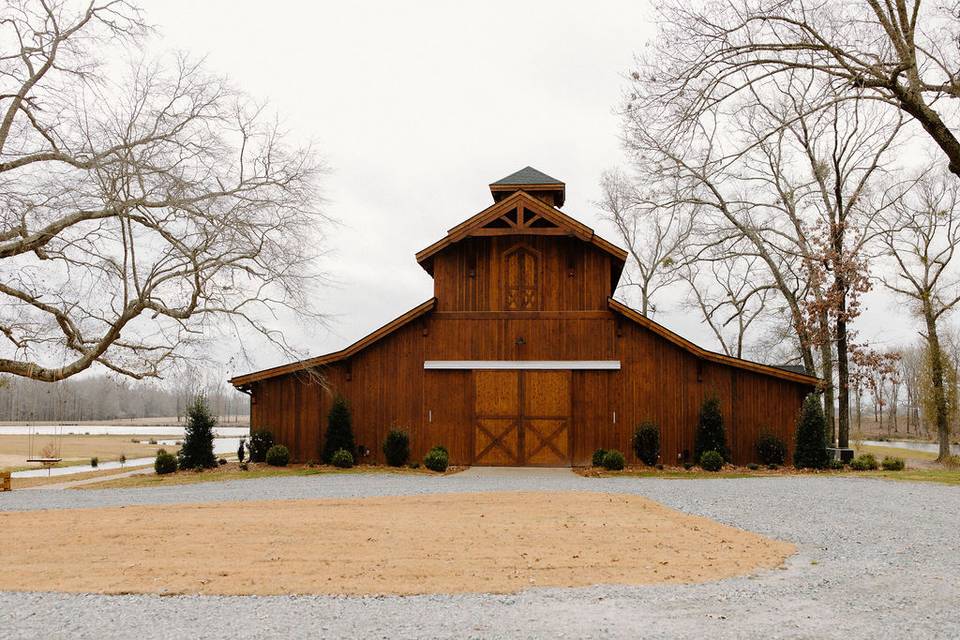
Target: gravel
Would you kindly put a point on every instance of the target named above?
(875, 559)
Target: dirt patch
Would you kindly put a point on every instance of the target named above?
(448, 543)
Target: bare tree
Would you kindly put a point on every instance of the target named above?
(143, 206)
(792, 182)
(654, 237)
(922, 237)
(900, 53)
(730, 296)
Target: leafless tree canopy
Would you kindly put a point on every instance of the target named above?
(897, 52)
(142, 203)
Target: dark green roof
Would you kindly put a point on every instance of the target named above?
(528, 175)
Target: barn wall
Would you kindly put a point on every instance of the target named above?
(387, 386)
(574, 276)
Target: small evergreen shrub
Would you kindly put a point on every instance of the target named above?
(773, 467)
(597, 459)
(94, 462)
(614, 460)
(711, 461)
(646, 443)
(197, 449)
(811, 449)
(836, 465)
(687, 466)
(260, 443)
(165, 463)
(437, 459)
(710, 434)
(414, 465)
(222, 461)
(244, 466)
(396, 448)
(659, 467)
(753, 466)
(342, 458)
(864, 462)
(278, 456)
(892, 464)
(241, 450)
(339, 430)
(771, 449)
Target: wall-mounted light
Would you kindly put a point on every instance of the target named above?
(520, 341)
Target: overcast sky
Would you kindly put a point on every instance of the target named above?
(417, 107)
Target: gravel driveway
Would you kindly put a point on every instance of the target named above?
(875, 559)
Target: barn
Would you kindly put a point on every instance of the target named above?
(523, 357)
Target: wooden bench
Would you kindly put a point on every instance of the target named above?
(5, 481)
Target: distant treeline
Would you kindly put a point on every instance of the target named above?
(106, 398)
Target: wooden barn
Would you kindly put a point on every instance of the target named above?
(523, 357)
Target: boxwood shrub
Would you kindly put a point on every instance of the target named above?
(437, 459)
(597, 459)
(165, 462)
(711, 461)
(890, 463)
(278, 456)
(614, 460)
(864, 462)
(342, 458)
(771, 449)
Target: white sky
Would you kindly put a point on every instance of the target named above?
(417, 107)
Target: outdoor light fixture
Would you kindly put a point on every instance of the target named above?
(520, 341)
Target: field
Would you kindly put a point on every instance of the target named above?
(478, 542)
(75, 449)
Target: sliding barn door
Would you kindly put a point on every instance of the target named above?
(522, 418)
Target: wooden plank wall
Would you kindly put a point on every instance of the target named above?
(573, 275)
(659, 382)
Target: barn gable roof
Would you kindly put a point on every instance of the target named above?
(343, 354)
(559, 224)
(712, 356)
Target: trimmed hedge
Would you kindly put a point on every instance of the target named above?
(711, 461)
(613, 460)
(396, 447)
(646, 443)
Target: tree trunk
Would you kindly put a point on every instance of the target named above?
(936, 380)
(826, 356)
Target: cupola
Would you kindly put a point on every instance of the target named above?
(536, 183)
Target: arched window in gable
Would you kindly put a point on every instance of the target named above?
(522, 275)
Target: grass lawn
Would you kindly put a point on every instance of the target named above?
(25, 483)
(232, 471)
(75, 449)
(936, 474)
(906, 454)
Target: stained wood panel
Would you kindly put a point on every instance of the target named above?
(659, 381)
